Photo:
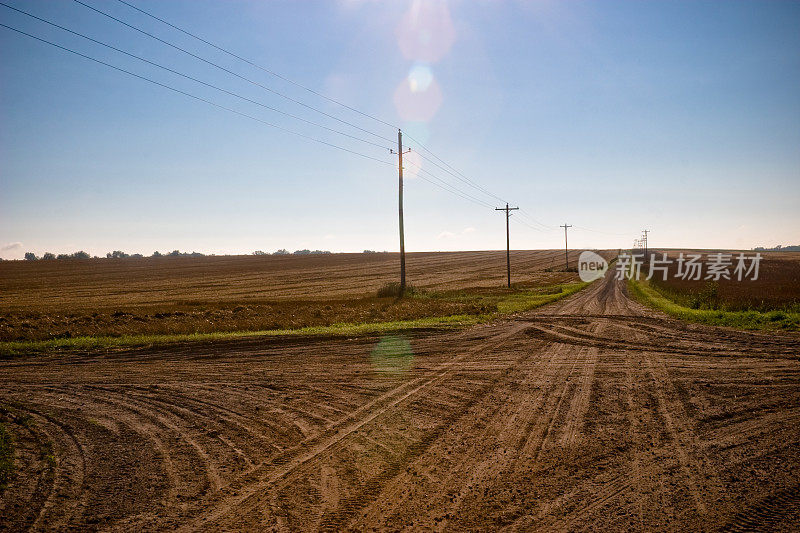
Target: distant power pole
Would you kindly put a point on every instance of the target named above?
(566, 252)
(508, 240)
(644, 240)
(400, 210)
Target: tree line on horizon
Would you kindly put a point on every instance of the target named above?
(779, 248)
(119, 254)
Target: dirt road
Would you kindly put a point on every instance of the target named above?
(593, 413)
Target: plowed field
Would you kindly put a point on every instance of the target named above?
(593, 413)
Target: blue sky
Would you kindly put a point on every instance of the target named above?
(679, 117)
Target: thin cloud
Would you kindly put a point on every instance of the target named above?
(450, 234)
(11, 246)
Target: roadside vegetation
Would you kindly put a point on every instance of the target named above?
(705, 307)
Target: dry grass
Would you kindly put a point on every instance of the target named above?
(167, 296)
(777, 287)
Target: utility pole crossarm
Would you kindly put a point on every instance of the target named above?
(508, 240)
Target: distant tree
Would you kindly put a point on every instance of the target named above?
(80, 255)
(174, 253)
(136, 255)
(282, 251)
(778, 248)
(321, 252)
(156, 254)
(369, 251)
(302, 252)
(48, 255)
(30, 256)
(260, 252)
(117, 254)
(62, 256)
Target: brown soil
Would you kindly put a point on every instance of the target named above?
(591, 414)
(42, 300)
(777, 286)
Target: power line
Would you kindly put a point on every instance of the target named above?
(220, 67)
(603, 232)
(436, 161)
(447, 186)
(442, 185)
(249, 62)
(452, 170)
(195, 97)
(528, 216)
(449, 169)
(520, 221)
(186, 76)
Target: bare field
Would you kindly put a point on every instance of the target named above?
(777, 286)
(42, 300)
(594, 413)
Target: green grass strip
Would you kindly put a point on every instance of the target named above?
(647, 294)
(506, 304)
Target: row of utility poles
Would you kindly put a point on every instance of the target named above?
(506, 209)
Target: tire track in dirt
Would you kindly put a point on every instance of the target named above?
(170, 421)
(508, 427)
(158, 424)
(370, 492)
(767, 514)
(600, 418)
(147, 430)
(29, 458)
(292, 460)
(683, 439)
(69, 472)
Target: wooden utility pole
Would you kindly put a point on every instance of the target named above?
(566, 249)
(645, 232)
(508, 240)
(400, 210)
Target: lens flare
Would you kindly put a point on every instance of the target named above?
(392, 355)
(415, 103)
(426, 32)
(420, 78)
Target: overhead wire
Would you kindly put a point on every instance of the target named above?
(236, 74)
(430, 176)
(260, 67)
(186, 76)
(600, 231)
(527, 215)
(434, 159)
(447, 168)
(195, 97)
